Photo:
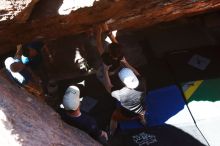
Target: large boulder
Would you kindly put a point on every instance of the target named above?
(28, 122)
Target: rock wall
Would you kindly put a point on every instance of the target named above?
(10, 8)
(120, 14)
(28, 122)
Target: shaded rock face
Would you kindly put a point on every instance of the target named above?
(28, 122)
(118, 14)
(10, 8)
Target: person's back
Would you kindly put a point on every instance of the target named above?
(83, 122)
(130, 99)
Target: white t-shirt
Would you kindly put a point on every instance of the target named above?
(130, 99)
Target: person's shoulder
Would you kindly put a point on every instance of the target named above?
(117, 92)
(86, 118)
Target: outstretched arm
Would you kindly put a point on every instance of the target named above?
(18, 51)
(99, 30)
(126, 64)
(105, 28)
(107, 82)
(99, 39)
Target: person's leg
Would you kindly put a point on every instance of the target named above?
(132, 116)
(142, 119)
(113, 126)
(117, 115)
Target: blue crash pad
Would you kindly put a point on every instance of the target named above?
(161, 105)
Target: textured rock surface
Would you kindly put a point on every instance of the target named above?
(10, 8)
(28, 122)
(120, 14)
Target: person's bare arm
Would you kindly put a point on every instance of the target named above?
(107, 82)
(99, 40)
(18, 51)
(105, 28)
(112, 37)
(99, 30)
(104, 134)
(126, 64)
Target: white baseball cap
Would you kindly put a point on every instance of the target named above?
(8, 63)
(128, 77)
(71, 100)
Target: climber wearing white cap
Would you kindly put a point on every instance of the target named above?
(131, 97)
(34, 55)
(72, 115)
(27, 65)
(111, 56)
(22, 75)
